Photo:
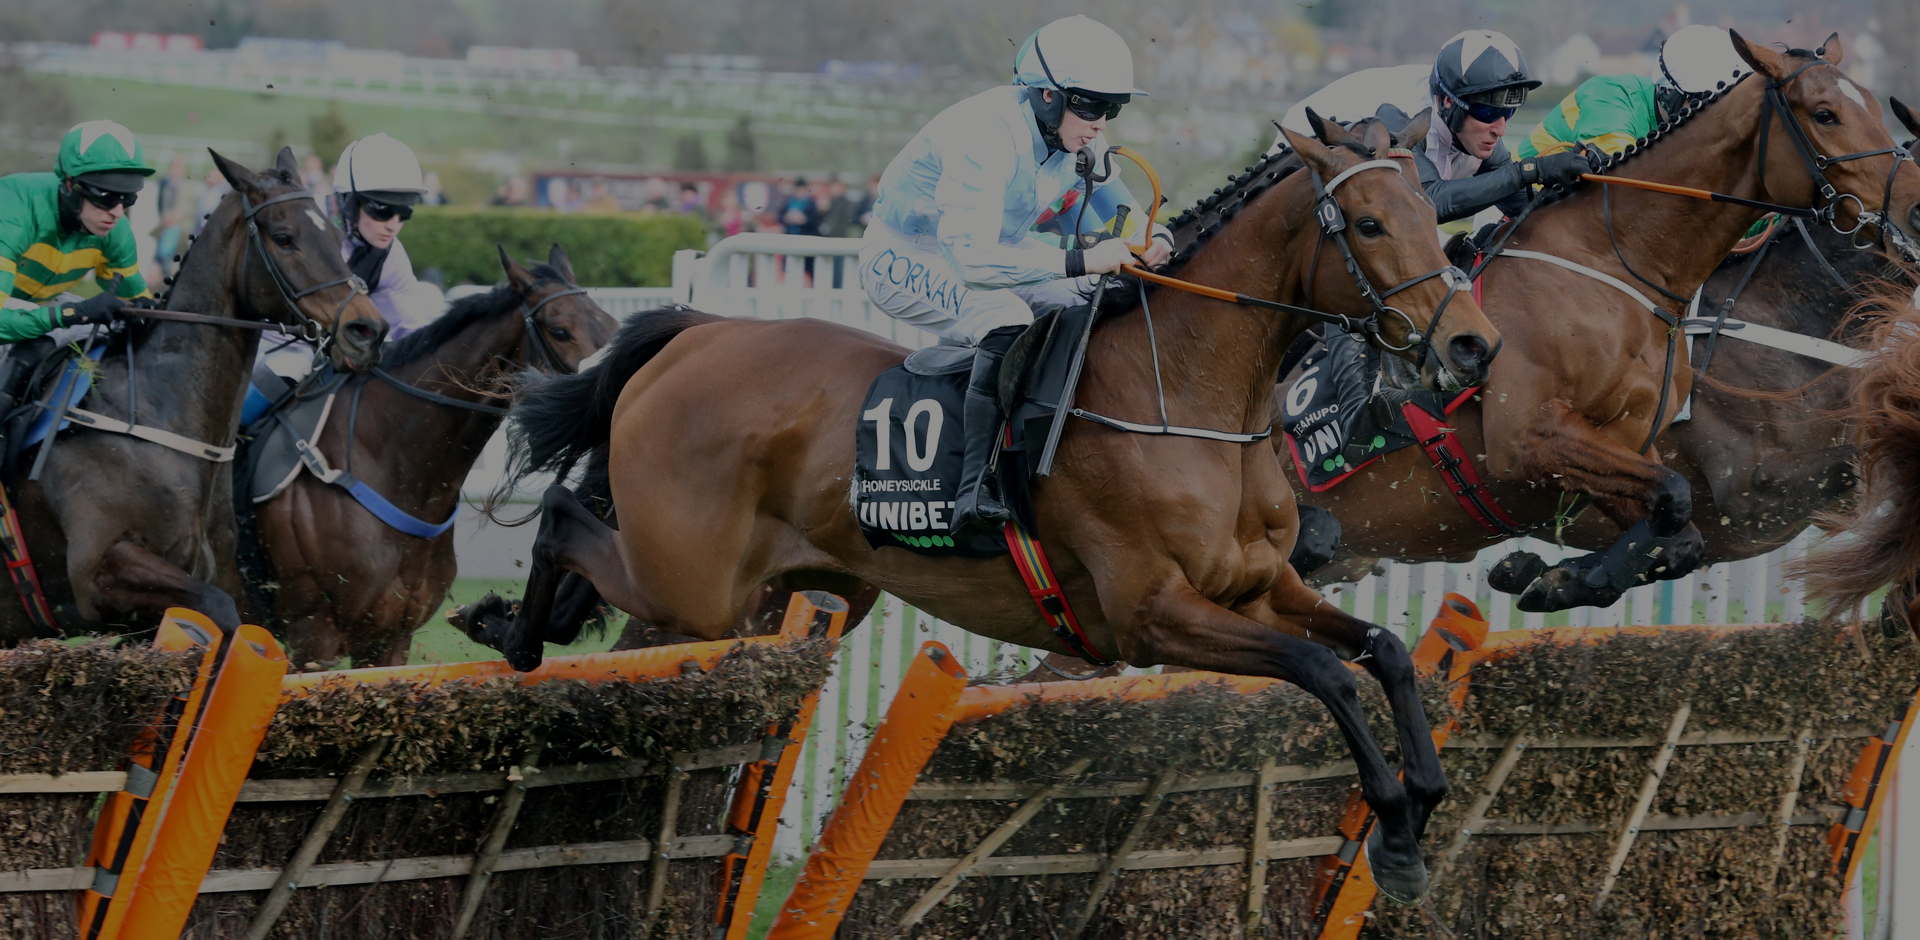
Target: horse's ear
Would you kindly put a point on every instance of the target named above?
(1906, 116)
(239, 177)
(557, 256)
(289, 167)
(1312, 151)
(520, 278)
(1764, 60)
(1331, 132)
(1416, 130)
(1376, 138)
(1831, 51)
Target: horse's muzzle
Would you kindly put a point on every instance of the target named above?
(358, 341)
(1469, 356)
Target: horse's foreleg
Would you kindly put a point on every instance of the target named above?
(130, 580)
(570, 539)
(1183, 628)
(1562, 445)
(1383, 655)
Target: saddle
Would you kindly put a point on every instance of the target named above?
(273, 443)
(1338, 421)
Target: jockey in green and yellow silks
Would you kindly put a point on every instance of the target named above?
(57, 228)
(1612, 111)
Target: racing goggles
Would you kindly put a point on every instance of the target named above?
(106, 199)
(382, 212)
(1488, 114)
(1089, 108)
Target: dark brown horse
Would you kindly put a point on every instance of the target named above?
(730, 451)
(122, 528)
(414, 452)
(1579, 392)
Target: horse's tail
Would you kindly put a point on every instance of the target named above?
(1881, 544)
(558, 420)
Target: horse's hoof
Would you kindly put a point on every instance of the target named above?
(1401, 884)
(526, 660)
(1512, 574)
(1564, 588)
(484, 621)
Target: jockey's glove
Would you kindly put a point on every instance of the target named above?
(100, 308)
(1556, 169)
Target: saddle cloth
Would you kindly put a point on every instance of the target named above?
(1334, 422)
(272, 456)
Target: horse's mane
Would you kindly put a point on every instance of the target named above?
(465, 312)
(1210, 214)
(1694, 107)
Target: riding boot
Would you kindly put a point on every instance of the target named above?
(978, 505)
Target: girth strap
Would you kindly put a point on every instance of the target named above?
(1600, 276)
(167, 439)
(1047, 595)
(1443, 448)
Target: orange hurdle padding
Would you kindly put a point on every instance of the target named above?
(245, 694)
(656, 662)
(923, 709)
(1343, 890)
(762, 792)
(128, 821)
(1865, 793)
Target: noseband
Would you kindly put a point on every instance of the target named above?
(1817, 163)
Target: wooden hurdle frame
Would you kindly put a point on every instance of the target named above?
(744, 851)
(933, 697)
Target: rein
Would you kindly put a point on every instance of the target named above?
(312, 329)
(537, 338)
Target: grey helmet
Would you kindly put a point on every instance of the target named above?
(1478, 66)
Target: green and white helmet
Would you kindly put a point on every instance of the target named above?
(106, 154)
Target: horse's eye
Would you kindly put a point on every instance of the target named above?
(1825, 116)
(560, 333)
(1371, 228)
(283, 239)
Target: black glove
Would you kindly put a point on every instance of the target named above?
(1561, 169)
(144, 303)
(100, 308)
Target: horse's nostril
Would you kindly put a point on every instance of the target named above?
(1469, 352)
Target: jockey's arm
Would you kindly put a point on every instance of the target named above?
(122, 257)
(20, 319)
(1499, 183)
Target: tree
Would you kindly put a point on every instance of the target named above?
(690, 153)
(328, 133)
(742, 152)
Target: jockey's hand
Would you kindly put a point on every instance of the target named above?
(1107, 256)
(1159, 249)
(145, 303)
(1557, 169)
(100, 308)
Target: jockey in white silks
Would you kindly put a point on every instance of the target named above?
(953, 248)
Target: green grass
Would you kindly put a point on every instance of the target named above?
(440, 642)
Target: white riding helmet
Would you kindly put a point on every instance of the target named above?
(1697, 59)
(380, 168)
(1076, 53)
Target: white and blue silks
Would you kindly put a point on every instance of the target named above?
(956, 246)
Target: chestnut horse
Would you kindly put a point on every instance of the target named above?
(121, 528)
(1582, 391)
(730, 453)
(416, 452)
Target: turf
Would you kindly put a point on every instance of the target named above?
(440, 642)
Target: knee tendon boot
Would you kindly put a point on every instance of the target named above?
(978, 505)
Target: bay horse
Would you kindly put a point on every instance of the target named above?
(119, 529)
(731, 455)
(416, 452)
(1584, 388)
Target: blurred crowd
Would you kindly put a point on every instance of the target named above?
(729, 205)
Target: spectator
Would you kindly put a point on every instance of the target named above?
(216, 190)
(602, 199)
(314, 176)
(837, 209)
(175, 201)
(690, 201)
(560, 195)
(732, 219)
(865, 213)
(656, 197)
(801, 216)
(435, 196)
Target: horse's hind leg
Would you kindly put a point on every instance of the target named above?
(570, 539)
(1183, 628)
(132, 580)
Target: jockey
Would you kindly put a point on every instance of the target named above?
(1474, 86)
(1612, 111)
(953, 246)
(378, 182)
(56, 228)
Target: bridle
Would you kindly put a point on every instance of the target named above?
(1817, 164)
(537, 342)
(312, 330)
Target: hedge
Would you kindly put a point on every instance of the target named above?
(607, 250)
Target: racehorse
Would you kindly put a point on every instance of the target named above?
(1877, 542)
(1569, 410)
(730, 456)
(415, 436)
(118, 528)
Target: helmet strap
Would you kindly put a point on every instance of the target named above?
(69, 203)
(1048, 116)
